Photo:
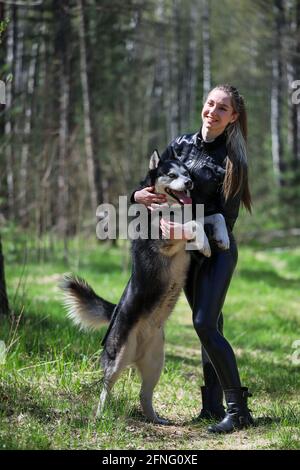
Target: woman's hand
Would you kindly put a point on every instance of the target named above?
(147, 196)
(176, 231)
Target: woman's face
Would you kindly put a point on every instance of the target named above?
(218, 112)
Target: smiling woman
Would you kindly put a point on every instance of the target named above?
(224, 112)
(217, 161)
(217, 114)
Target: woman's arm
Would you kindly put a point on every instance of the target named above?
(147, 196)
(144, 194)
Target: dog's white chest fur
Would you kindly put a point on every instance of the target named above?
(176, 273)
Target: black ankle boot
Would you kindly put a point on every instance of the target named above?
(237, 415)
(212, 403)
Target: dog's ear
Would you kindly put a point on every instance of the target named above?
(174, 154)
(154, 160)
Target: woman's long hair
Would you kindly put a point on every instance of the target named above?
(236, 176)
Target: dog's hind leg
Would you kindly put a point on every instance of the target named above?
(114, 368)
(150, 367)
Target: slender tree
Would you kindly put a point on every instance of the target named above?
(4, 305)
(206, 47)
(88, 136)
(277, 93)
(294, 55)
(9, 125)
(62, 41)
(23, 184)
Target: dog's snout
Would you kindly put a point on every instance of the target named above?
(189, 184)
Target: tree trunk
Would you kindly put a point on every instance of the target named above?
(18, 72)
(293, 73)
(62, 49)
(4, 305)
(96, 127)
(161, 81)
(89, 151)
(23, 193)
(191, 69)
(277, 95)
(296, 108)
(174, 74)
(206, 48)
(8, 128)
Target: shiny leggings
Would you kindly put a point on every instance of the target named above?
(206, 287)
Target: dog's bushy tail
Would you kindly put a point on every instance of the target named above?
(83, 305)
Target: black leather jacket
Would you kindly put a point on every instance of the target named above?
(206, 163)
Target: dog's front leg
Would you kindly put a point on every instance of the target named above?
(199, 240)
(220, 230)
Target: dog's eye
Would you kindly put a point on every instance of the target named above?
(186, 173)
(172, 175)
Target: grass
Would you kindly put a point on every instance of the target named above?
(50, 380)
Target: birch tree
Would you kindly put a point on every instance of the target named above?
(62, 50)
(23, 185)
(88, 137)
(293, 73)
(192, 62)
(9, 147)
(4, 305)
(206, 48)
(277, 94)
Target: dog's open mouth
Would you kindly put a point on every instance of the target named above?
(180, 196)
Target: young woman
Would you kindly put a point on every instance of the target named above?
(216, 158)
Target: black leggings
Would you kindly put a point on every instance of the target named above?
(206, 287)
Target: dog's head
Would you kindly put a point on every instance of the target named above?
(171, 177)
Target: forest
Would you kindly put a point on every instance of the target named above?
(88, 89)
(92, 87)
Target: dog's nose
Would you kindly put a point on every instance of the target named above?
(189, 184)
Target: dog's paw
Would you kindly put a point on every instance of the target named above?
(202, 244)
(220, 233)
(161, 421)
(155, 419)
(206, 251)
(223, 242)
(203, 248)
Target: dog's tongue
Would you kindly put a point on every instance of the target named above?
(183, 198)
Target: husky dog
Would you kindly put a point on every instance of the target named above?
(159, 267)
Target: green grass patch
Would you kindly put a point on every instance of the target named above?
(50, 380)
